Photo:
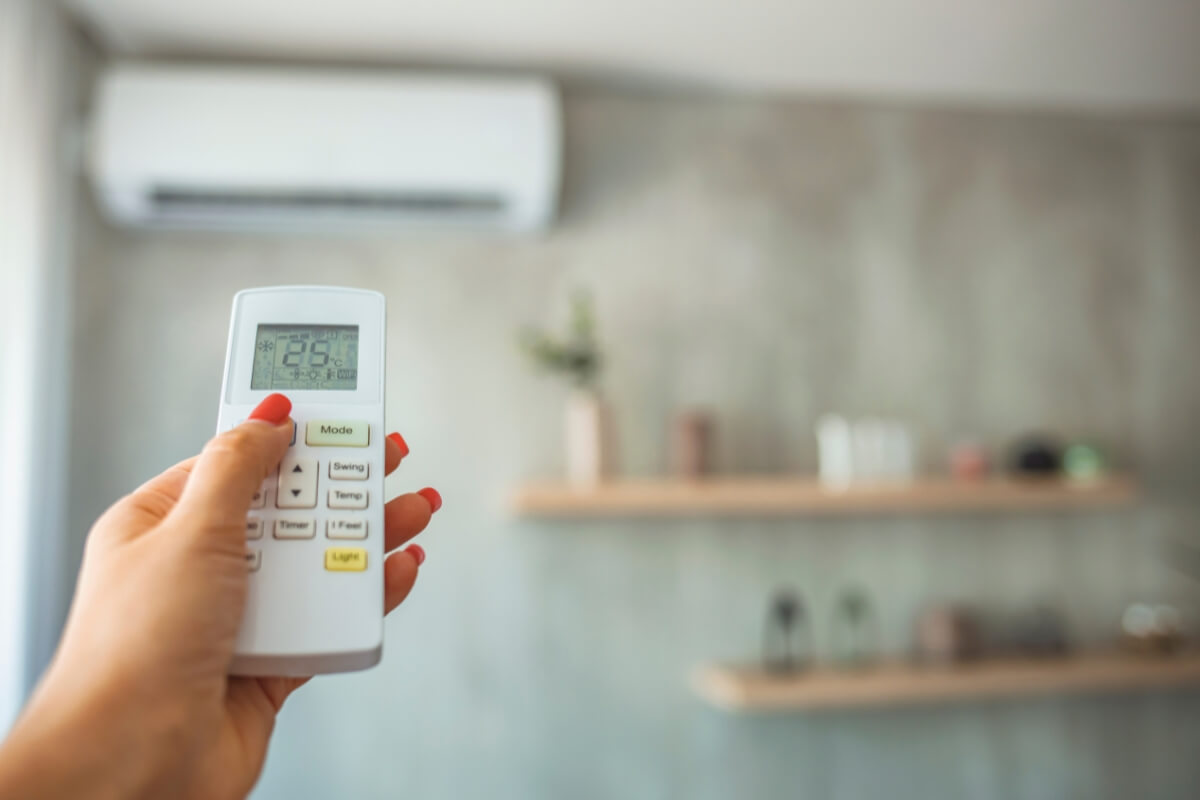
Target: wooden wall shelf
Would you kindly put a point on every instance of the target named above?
(796, 496)
(750, 689)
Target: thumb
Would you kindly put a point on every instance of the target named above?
(232, 466)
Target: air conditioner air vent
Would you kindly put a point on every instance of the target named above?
(172, 200)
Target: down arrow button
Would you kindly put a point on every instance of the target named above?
(297, 483)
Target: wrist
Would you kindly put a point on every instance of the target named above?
(81, 742)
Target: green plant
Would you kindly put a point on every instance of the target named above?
(577, 355)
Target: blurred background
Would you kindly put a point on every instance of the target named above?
(811, 386)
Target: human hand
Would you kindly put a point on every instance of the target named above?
(138, 702)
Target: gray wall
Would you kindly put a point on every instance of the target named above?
(973, 273)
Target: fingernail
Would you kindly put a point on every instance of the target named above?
(273, 409)
(435, 499)
(399, 440)
(418, 553)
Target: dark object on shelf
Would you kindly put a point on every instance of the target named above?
(1152, 629)
(1038, 456)
(787, 642)
(948, 634)
(855, 632)
(1041, 632)
(691, 451)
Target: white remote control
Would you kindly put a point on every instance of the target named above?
(314, 534)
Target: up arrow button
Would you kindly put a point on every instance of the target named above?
(337, 433)
(297, 483)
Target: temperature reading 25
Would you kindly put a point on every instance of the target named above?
(305, 357)
(318, 354)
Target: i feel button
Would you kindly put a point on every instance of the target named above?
(337, 433)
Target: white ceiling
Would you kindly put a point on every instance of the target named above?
(1110, 54)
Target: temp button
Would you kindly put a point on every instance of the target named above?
(347, 498)
(337, 433)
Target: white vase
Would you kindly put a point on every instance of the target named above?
(587, 439)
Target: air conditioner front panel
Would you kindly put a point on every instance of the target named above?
(413, 148)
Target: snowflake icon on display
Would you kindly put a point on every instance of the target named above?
(266, 346)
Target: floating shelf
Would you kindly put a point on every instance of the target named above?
(794, 496)
(751, 689)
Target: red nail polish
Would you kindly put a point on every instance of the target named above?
(399, 440)
(273, 409)
(435, 499)
(418, 553)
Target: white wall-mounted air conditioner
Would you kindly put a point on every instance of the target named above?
(272, 149)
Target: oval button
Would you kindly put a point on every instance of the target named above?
(345, 559)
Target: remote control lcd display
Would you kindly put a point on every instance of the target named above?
(306, 357)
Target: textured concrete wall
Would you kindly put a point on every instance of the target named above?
(971, 273)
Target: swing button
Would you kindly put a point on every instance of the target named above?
(337, 433)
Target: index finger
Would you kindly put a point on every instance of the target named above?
(395, 451)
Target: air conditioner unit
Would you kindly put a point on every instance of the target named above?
(232, 148)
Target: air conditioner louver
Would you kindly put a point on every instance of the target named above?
(169, 201)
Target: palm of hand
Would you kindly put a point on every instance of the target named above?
(157, 610)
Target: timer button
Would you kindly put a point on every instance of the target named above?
(294, 528)
(337, 433)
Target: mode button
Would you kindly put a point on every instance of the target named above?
(337, 433)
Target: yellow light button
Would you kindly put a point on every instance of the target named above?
(337, 433)
(345, 559)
